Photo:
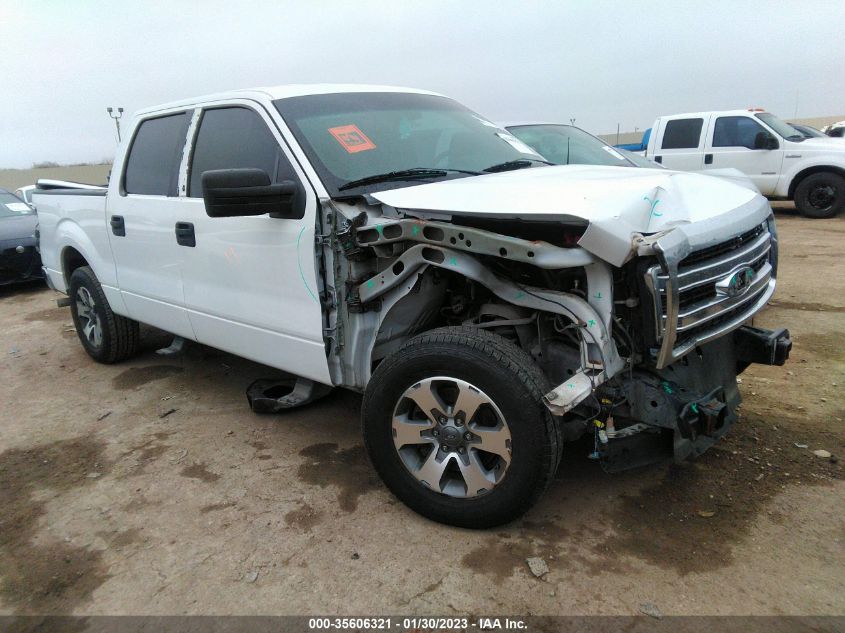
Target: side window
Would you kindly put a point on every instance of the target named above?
(152, 167)
(736, 131)
(682, 133)
(231, 138)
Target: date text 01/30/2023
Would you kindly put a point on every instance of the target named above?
(416, 623)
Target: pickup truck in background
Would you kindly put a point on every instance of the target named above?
(782, 162)
(563, 144)
(390, 241)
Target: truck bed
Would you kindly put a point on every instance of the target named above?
(73, 220)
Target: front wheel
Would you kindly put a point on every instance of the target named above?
(820, 195)
(106, 336)
(455, 426)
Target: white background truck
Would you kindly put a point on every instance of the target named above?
(390, 241)
(778, 158)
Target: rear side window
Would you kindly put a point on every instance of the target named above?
(233, 138)
(682, 133)
(153, 164)
(736, 131)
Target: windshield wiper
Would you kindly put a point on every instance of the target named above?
(519, 163)
(405, 174)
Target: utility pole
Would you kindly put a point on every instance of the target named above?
(572, 122)
(617, 134)
(116, 118)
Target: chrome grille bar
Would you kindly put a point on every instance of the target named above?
(712, 271)
(683, 323)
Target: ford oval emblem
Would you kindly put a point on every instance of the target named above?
(737, 283)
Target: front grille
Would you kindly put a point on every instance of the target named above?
(722, 248)
(711, 292)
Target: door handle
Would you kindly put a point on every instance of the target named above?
(708, 159)
(118, 226)
(185, 234)
(658, 159)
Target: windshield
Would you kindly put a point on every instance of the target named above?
(639, 160)
(781, 127)
(568, 145)
(12, 205)
(809, 132)
(349, 137)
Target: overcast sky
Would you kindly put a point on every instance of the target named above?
(601, 63)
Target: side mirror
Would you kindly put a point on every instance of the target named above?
(240, 192)
(764, 140)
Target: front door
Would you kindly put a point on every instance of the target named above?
(250, 282)
(732, 144)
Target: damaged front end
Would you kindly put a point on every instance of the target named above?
(644, 353)
(698, 292)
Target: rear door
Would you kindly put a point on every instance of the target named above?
(250, 282)
(680, 143)
(731, 143)
(140, 219)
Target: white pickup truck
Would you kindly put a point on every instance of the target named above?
(393, 242)
(780, 160)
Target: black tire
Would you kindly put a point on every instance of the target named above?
(120, 336)
(820, 195)
(511, 379)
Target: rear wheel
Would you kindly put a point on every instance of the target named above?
(820, 195)
(106, 336)
(455, 426)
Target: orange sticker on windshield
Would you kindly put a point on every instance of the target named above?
(351, 138)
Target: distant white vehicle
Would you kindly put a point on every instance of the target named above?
(836, 130)
(564, 144)
(779, 159)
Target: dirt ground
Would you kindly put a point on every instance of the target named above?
(149, 487)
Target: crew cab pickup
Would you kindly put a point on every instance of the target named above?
(782, 162)
(390, 241)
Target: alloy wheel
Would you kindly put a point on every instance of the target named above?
(451, 437)
(89, 321)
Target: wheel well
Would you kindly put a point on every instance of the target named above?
(71, 260)
(801, 175)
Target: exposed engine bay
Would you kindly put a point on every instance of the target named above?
(591, 327)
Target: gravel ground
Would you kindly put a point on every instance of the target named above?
(149, 487)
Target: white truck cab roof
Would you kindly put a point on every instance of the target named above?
(707, 113)
(281, 92)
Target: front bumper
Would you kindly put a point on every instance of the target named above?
(686, 407)
(761, 346)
